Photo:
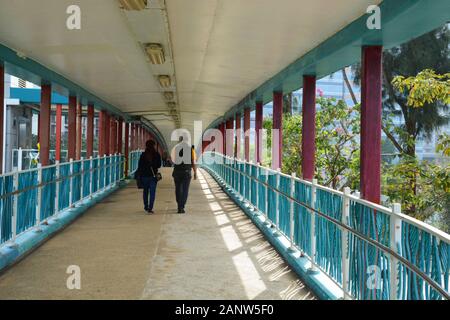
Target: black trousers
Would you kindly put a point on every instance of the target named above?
(182, 190)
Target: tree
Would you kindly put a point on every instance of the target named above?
(430, 51)
(337, 143)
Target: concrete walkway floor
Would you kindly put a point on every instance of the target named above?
(212, 252)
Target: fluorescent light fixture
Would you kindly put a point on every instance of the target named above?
(155, 52)
(164, 81)
(168, 95)
(133, 4)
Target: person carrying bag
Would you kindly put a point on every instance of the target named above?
(147, 175)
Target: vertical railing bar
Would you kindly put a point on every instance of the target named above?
(291, 212)
(58, 175)
(82, 179)
(395, 237)
(70, 183)
(39, 197)
(344, 243)
(15, 207)
(313, 226)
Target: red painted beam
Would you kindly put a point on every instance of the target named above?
(371, 103)
(58, 132)
(309, 127)
(277, 138)
(127, 147)
(247, 134)
(258, 133)
(44, 124)
(229, 137)
(2, 114)
(72, 128)
(79, 130)
(90, 131)
(120, 137)
(237, 147)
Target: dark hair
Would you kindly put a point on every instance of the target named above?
(150, 150)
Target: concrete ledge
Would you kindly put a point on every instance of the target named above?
(322, 286)
(32, 239)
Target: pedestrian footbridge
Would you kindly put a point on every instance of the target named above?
(212, 252)
(84, 85)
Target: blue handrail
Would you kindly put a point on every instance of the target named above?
(371, 252)
(30, 197)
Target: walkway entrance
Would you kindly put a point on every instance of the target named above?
(213, 252)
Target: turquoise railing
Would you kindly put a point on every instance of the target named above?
(133, 159)
(369, 251)
(28, 198)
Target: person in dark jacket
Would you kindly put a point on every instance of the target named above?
(149, 163)
(183, 158)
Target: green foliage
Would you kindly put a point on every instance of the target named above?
(337, 143)
(426, 87)
(421, 187)
(443, 145)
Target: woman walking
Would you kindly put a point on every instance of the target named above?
(149, 163)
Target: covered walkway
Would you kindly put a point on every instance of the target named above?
(213, 252)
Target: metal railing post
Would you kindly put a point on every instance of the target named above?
(344, 242)
(15, 206)
(39, 196)
(91, 167)
(395, 235)
(313, 226)
(104, 172)
(277, 203)
(82, 178)
(266, 204)
(71, 184)
(58, 176)
(291, 212)
(19, 159)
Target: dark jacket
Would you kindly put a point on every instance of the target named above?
(145, 166)
(182, 170)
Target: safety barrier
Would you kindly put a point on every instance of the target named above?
(371, 252)
(133, 159)
(29, 198)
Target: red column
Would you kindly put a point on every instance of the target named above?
(277, 140)
(371, 103)
(2, 115)
(72, 128)
(44, 124)
(237, 147)
(79, 130)
(229, 137)
(58, 132)
(309, 127)
(120, 137)
(258, 129)
(247, 134)
(107, 134)
(90, 131)
(127, 144)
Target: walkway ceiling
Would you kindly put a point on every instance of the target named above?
(216, 51)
